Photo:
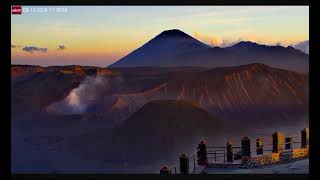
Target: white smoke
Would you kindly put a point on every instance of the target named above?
(80, 98)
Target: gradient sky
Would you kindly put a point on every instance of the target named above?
(99, 36)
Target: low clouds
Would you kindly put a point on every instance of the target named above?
(32, 49)
(62, 47)
(210, 40)
(216, 41)
(302, 46)
(15, 46)
(232, 40)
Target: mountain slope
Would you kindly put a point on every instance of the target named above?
(162, 48)
(159, 130)
(275, 56)
(247, 90)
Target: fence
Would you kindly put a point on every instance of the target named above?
(206, 155)
(187, 164)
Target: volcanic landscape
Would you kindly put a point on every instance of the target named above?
(152, 105)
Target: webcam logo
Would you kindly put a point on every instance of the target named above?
(16, 10)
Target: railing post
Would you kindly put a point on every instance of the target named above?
(305, 138)
(184, 164)
(215, 156)
(277, 142)
(245, 147)
(229, 152)
(194, 163)
(202, 154)
(259, 143)
(165, 170)
(288, 143)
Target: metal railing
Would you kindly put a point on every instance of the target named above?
(217, 154)
(188, 163)
(220, 151)
(192, 163)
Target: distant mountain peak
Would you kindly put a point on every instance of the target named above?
(246, 43)
(162, 50)
(173, 33)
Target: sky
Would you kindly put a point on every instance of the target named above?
(101, 35)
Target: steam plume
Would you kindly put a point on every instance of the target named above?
(80, 98)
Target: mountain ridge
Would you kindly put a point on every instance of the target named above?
(172, 48)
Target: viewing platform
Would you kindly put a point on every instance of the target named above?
(280, 152)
